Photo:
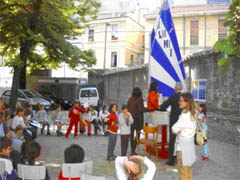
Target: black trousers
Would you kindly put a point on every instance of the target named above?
(133, 141)
(43, 126)
(96, 126)
(124, 143)
(172, 140)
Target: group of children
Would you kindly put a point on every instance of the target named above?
(84, 117)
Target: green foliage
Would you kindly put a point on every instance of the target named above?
(38, 33)
(230, 46)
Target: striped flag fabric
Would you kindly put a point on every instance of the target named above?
(165, 65)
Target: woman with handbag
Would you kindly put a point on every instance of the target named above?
(136, 108)
(185, 129)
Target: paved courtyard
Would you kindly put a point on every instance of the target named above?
(224, 162)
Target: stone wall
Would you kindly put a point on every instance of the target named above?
(223, 91)
(118, 85)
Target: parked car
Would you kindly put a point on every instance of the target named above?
(89, 96)
(65, 103)
(51, 100)
(26, 97)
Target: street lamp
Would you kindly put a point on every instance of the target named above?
(105, 45)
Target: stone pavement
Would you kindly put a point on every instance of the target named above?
(223, 163)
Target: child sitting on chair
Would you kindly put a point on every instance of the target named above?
(33, 152)
(73, 154)
(5, 150)
(57, 118)
(42, 118)
(17, 138)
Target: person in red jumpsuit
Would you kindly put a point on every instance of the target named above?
(74, 118)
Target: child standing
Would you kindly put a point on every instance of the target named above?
(102, 115)
(202, 119)
(125, 120)
(57, 119)
(112, 129)
(42, 118)
(74, 117)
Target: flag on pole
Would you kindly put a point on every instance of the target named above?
(165, 66)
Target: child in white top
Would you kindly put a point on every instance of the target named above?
(42, 118)
(93, 118)
(130, 168)
(202, 119)
(57, 118)
(102, 116)
(18, 119)
(125, 121)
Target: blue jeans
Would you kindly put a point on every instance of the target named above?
(205, 147)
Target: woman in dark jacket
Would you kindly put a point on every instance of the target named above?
(136, 108)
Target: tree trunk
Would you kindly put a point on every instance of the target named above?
(23, 81)
(15, 86)
(18, 70)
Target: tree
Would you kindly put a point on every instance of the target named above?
(230, 46)
(36, 34)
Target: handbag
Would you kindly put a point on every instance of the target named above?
(200, 137)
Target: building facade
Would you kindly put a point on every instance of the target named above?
(198, 24)
(118, 42)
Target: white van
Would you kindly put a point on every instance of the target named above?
(89, 96)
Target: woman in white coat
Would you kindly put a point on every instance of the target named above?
(185, 129)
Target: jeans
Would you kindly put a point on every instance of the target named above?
(205, 147)
(112, 139)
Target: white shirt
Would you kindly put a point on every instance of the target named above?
(18, 120)
(202, 119)
(124, 129)
(103, 114)
(121, 170)
(186, 125)
(92, 115)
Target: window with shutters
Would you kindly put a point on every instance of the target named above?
(194, 29)
(222, 31)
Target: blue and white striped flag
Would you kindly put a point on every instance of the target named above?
(165, 67)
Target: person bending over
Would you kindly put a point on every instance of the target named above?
(130, 168)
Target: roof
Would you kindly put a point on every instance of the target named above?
(109, 19)
(121, 70)
(190, 10)
(197, 55)
(199, 8)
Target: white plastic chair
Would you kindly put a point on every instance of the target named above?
(74, 170)
(31, 172)
(91, 177)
